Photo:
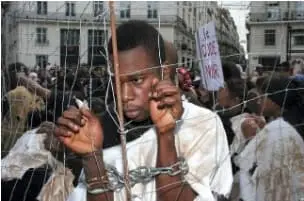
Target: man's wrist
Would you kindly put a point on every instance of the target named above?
(95, 172)
(166, 136)
(166, 147)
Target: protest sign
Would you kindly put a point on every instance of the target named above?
(209, 57)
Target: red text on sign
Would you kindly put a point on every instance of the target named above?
(212, 71)
(209, 49)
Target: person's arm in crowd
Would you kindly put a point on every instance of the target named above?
(34, 87)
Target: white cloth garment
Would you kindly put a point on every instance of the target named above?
(29, 152)
(278, 152)
(200, 139)
(236, 147)
(239, 140)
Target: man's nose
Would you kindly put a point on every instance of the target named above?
(127, 92)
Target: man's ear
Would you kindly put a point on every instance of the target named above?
(167, 70)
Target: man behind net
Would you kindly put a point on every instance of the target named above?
(191, 137)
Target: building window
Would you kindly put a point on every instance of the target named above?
(298, 40)
(70, 37)
(269, 37)
(125, 9)
(299, 12)
(97, 7)
(41, 7)
(274, 4)
(152, 9)
(96, 50)
(41, 60)
(70, 9)
(69, 47)
(269, 63)
(41, 35)
(96, 37)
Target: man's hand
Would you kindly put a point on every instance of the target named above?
(259, 120)
(251, 126)
(165, 105)
(79, 130)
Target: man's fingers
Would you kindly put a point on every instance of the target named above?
(73, 108)
(257, 119)
(165, 94)
(169, 91)
(74, 115)
(68, 124)
(167, 102)
(62, 132)
(76, 146)
(164, 85)
(86, 113)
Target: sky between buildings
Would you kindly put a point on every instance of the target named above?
(239, 10)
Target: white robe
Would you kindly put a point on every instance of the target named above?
(29, 152)
(278, 151)
(200, 139)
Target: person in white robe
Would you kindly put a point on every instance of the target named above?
(271, 164)
(200, 138)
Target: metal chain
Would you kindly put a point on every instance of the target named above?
(143, 174)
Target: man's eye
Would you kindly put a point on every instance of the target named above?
(137, 80)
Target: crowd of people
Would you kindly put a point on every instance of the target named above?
(242, 142)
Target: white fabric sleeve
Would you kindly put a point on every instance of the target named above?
(208, 157)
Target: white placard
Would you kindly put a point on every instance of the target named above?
(209, 57)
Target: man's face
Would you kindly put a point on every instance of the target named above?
(223, 96)
(266, 106)
(136, 82)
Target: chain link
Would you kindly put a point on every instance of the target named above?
(143, 174)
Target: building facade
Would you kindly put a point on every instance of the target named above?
(276, 33)
(72, 33)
